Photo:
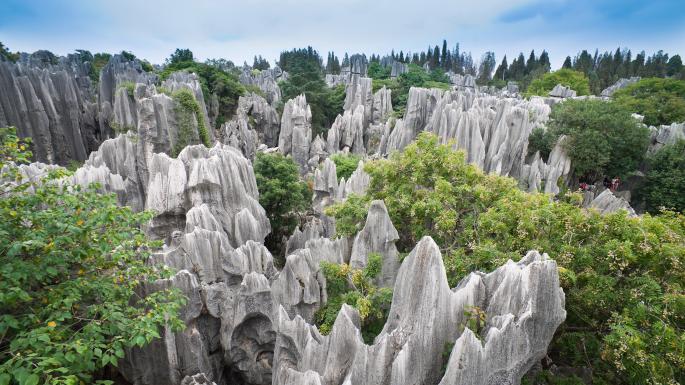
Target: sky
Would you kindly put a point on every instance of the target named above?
(238, 30)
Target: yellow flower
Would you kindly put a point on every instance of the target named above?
(52, 324)
(79, 222)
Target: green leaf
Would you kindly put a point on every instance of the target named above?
(32, 379)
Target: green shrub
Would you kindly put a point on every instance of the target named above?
(224, 85)
(72, 265)
(577, 81)
(623, 277)
(345, 164)
(665, 179)
(604, 139)
(660, 101)
(188, 111)
(355, 287)
(541, 140)
(282, 194)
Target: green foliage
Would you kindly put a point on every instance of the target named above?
(665, 182)
(181, 56)
(577, 81)
(377, 71)
(188, 113)
(128, 55)
(661, 101)
(7, 55)
(345, 164)
(99, 61)
(72, 266)
(305, 76)
(349, 215)
(355, 287)
(541, 140)
(604, 138)
(130, 88)
(416, 77)
(147, 67)
(623, 277)
(214, 80)
(282, 195)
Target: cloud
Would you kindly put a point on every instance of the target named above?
(238, 30)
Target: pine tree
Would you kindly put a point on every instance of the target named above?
(531, 64)
(443, 58)
(567, 63)
(501, 72)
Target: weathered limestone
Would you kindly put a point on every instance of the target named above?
(523, 303)
(53, 105)
(237, 133)
(398, 68)
(359, 93)
(347, 132)
(382, 105)
(664, 135)
(296, 131)
(266, 80)
(606, 202)
(264, 118)
(621, 83)
(377, 237)
(560, 91)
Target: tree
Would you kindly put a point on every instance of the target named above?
(660, 101)
(73, 265)
(345, 164)
(282, 195)
(622, 276)
(487, 65)
(567, 63)
(569, 78)
(180, 55)
(665, 179)
(214, 80)
(604, 139)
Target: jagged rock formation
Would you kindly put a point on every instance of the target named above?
(560, 91)
(117, 72)
(237, 133)
(296, 131)
(621, 83)
(538, 172)
(53, 104)
(359, 93)
(347, 132)
(462, 81)
(267, 81)
(606, 202)
(664, 135)
(397, 69)
(264, 117)
(382, 105)
(184, 80)
(377, 237)
(492, 130)
(523, 303)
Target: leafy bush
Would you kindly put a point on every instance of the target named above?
(661, 101)
(665, 182)
(355, 287)
(603, 137)
(188, 111)
(623, 277)
(6, 54)
(541, 140)
(377, 71)
(213, 80)
(345, 164)
(577, 81)
(130, 88)
(72, 266)
(282, 195)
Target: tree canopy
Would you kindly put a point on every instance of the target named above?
(623, 277)
(660, 101)
(577, 81)
(72, 267)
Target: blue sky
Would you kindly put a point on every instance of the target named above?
(237, 31)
